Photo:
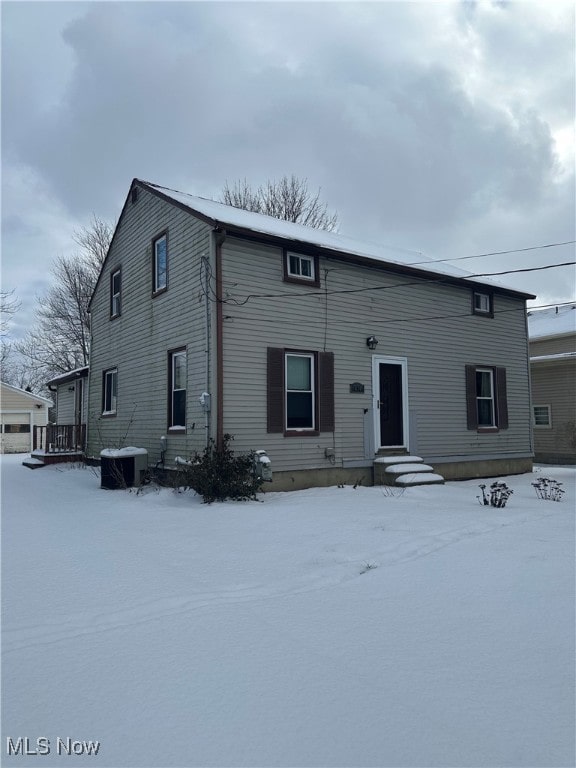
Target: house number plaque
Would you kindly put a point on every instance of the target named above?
(357, 387)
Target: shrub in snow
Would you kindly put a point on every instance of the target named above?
(217, 474)
(498, 495)
(547, 489)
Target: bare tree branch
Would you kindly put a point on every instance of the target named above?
(288, 199)
(60, 338)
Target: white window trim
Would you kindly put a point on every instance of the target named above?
(115, 297)
(492, 399)
(312, 359)
(173, 389)
(110, 372)
(549, 414)
(403, 363)
(157, 287)
(479, 310)
(298, 275)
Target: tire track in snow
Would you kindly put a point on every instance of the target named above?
(77, 625)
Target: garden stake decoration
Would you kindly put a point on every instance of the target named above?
(499, 495)
(549, 490)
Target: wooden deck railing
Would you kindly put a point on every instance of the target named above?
(60, 438)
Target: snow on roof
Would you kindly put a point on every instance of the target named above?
(555, 321)
(77, 372)
(268, 225)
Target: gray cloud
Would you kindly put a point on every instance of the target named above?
(427, 125)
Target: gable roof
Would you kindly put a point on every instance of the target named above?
(248, 222)
(30, 395)
(241, 223)
(552, 322)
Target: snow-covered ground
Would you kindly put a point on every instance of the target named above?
(329, 627)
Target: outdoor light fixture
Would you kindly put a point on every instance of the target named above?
(371, 342)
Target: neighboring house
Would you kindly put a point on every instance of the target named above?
(20, 413)
(552, 335)
(322, 351)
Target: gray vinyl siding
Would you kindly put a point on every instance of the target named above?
(429, 323)
(553, 346)
(138, 341)
(65, 404)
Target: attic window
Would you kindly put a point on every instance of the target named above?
(482, 304)
(301, 268)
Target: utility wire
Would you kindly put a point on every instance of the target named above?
(494, 253)
(385, 322)
(526, 269)
(246, 298)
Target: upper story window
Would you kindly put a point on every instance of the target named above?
(109, 392)
(115, 293)
(160, 263)
(177, 389)
(301, 268)
(483, 304)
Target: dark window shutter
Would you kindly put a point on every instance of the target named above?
(275, 389)
(326, 391)
(501, 398)
(471, 411)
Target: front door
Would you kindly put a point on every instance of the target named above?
(391, 407)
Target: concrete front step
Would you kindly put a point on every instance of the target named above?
(404, 471)
(419, 478)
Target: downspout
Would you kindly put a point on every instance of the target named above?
(87, 391)
(208, 331)
(220, 237)
(529, 372)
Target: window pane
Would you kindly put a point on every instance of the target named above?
(483, 384)
(485, 413)
(294, 264)
(482, 302)
(298, 373)
(179, 408)
(161, 260)
(179, 371)
(299, 410)
(110, 391)
(541, 416)
(306, 267)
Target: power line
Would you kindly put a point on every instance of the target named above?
(526, 269)
(247, 297)
(494, 253)
(386, 321)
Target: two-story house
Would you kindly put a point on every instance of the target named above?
(322, 351)
(552, 334)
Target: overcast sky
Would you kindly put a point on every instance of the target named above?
(447, 128)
